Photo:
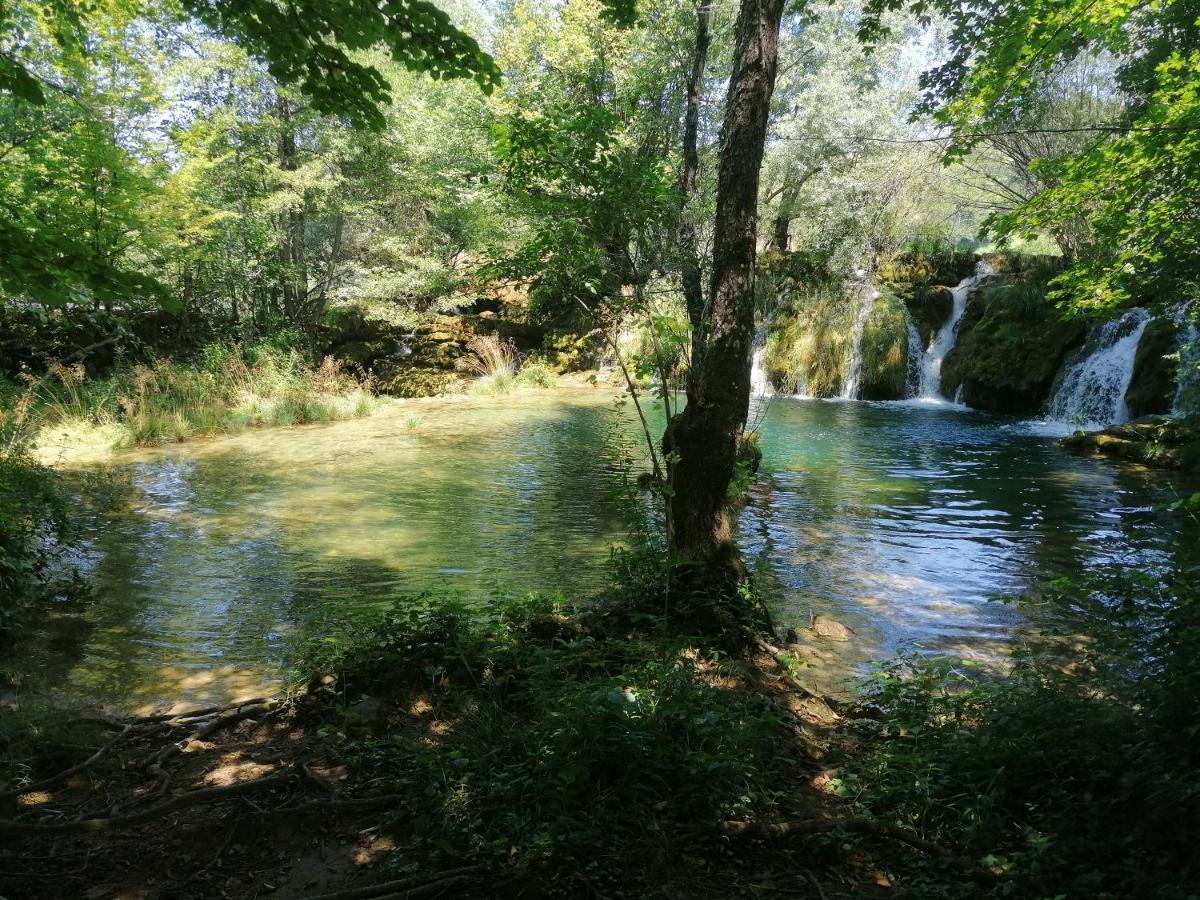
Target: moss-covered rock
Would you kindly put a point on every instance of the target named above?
(1011, 344)
(363, 353)
(929, 305)
(944, 267)
(809, 343)
(1153, 440)
(885, 350)
(1155, 370)
(567, 351)
(404, 379)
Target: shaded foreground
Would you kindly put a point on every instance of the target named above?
(536, 749)
(545, 752)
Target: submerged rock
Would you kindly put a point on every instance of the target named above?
(830, 629)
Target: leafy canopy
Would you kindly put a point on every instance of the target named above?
(1135, 184)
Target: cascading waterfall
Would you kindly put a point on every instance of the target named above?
(760, 386)
(929, 386)
(852, 383)
(1091, 391)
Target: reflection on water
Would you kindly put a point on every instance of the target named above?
(900, 521)
(904, 522)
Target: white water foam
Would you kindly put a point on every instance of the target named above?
(1091, 392)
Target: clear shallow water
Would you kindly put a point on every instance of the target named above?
(900, 520)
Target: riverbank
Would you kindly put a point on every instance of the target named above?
(544, 748)
(1169, 443)
(539, 748)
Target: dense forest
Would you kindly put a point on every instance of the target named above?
(599, 448)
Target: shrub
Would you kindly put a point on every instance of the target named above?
(1072, 783)
(536, 374)
(546, 740)
(33, 515)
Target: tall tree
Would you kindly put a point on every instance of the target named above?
(693, 285)
(703, 439)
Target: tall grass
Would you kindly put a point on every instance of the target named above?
(499, 367)
(809, 345)
(227, 388)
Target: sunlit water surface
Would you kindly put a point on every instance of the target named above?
(902, 521)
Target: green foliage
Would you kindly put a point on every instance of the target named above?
(1070, 783)
(546, 741)
(34, 509)
(33, 518)
(1132, 188)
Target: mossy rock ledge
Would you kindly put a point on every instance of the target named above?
(1011, 345)
(431, 358)
(1152, 440)
(1155, 370)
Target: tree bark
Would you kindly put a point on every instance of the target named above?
(693, 287)
(293, 275)
(704, 437)
(783, 218)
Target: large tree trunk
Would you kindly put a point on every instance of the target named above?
(294, 274)
(705, 436)
(693, 288)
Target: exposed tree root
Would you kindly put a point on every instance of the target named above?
(197, 713)
(204, 795)
(241, 711)
(67, 773)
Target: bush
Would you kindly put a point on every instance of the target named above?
(1072, 783)
(543, 739)
(33, 516)
(536, 374)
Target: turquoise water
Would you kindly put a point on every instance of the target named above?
(900, 521)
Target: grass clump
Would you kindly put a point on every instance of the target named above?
(226, 388)
(498, 366)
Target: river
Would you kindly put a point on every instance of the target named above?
(903, 521)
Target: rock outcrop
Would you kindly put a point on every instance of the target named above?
(1152, 440)
(1155, 370)
(1011, 345)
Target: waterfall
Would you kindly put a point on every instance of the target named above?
(760, 386)
(852, 384)
(930, 384)
(912, 381)
(1091, 391)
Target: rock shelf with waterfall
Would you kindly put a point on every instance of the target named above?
(929, 386)
(981, 333)
(1091, 391)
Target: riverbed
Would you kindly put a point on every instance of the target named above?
(908, 522)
